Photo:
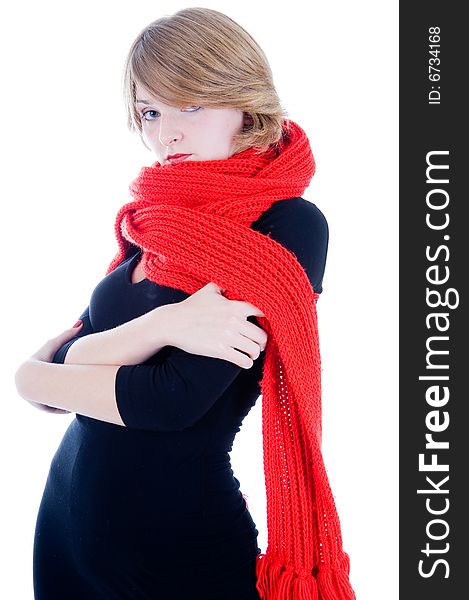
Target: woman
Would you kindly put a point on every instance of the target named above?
(141, 501)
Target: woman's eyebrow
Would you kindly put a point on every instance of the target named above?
(143, 102)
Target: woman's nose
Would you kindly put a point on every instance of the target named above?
(169, 134)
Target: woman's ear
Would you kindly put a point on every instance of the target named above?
(248, 120)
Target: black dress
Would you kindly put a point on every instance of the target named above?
(153, 511)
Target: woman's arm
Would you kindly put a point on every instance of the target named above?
(170, 396)
(91, 390)
(84, 389)
(131, 343)
(88, 389)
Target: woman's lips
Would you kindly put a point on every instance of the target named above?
(178, 158)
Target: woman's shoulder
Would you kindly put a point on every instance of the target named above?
(294, 215)
(301, 227)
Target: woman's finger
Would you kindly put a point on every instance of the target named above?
(48, 350)
(68, 333)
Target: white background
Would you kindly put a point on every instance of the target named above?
(67, 161)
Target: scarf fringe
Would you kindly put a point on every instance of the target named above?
(278, 582)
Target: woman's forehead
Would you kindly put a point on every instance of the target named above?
(143, 96)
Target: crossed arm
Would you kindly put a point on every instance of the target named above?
(85, 389)
(86, 383)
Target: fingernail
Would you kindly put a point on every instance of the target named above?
(78, 323)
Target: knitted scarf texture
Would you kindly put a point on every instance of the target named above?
(192, 221)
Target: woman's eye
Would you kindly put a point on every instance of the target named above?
(151, 118)
(147, 112)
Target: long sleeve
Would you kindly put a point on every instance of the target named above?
(177, 392)
(86, 329)
(172, 395)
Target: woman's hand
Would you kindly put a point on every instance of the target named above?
(47, 351)
(46, 354)
(209, 324)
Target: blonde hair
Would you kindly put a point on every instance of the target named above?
(200, 55)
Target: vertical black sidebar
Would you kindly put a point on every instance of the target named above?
(434, 268)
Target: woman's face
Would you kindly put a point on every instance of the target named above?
(203, 133)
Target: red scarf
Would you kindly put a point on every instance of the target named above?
(192, 221)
